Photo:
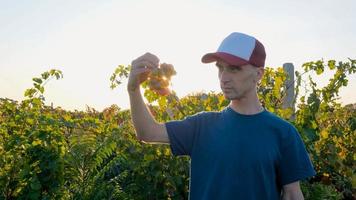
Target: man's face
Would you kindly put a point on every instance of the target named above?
(238, 82)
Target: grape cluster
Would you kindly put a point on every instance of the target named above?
(159, 79)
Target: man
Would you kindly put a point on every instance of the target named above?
(242, 152)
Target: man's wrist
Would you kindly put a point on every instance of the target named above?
(133, 91)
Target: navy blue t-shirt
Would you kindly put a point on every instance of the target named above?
(236, 156)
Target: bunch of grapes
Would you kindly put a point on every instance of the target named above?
(159, 79)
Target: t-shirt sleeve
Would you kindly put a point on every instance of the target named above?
(295, 163)
(181, 134)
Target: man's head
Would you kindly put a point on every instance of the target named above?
(240, 59)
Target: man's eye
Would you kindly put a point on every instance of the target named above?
(234, 69)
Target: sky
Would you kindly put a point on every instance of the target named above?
(88, 39)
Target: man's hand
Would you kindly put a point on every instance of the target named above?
(140, 69)
(292, 191)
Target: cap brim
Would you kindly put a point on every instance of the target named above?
(228, 58)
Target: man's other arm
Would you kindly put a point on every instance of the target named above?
(292, 191)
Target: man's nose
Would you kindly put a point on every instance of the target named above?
(224, 77)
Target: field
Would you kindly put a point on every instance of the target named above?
(51, 153)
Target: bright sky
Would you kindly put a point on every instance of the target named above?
(88, 39)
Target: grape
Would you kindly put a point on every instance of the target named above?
(159, 79)
(163, 92)
(154, 84)
(168, 70)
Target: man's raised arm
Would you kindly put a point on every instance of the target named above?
(147, 128)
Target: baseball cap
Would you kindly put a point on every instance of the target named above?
(238, 49)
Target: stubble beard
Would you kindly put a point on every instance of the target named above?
(234, 95)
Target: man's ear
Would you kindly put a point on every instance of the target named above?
(259, 73)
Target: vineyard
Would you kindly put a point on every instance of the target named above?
(51, 153)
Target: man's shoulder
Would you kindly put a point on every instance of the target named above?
(274, 119)
(207, 114)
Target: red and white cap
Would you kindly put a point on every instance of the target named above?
(239, 49)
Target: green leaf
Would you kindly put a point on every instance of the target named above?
(52, 72)
(314, 124)
(37, 80)
(148, 157)
(45, 75)
(344, 83)
(331, 64)
(58, 76)
(319, 70)
(41, 89)
(30, 92)
(35, 185)
(36, 142)
(310, 133)
(37, 86)
(34, 195)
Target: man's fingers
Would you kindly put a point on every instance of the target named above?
(148, 60)
(143, 64)
(151, 57)
(140, 70)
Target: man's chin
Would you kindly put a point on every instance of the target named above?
(229, 97)
(232, 97)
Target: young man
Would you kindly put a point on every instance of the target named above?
(242, 152)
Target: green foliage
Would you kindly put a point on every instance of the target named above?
(328, 129)
(39, 83)
(31, 147)
(272, 91)
(51, 153)
(319, 191)
(120, 73)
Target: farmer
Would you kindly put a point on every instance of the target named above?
(241, 152)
